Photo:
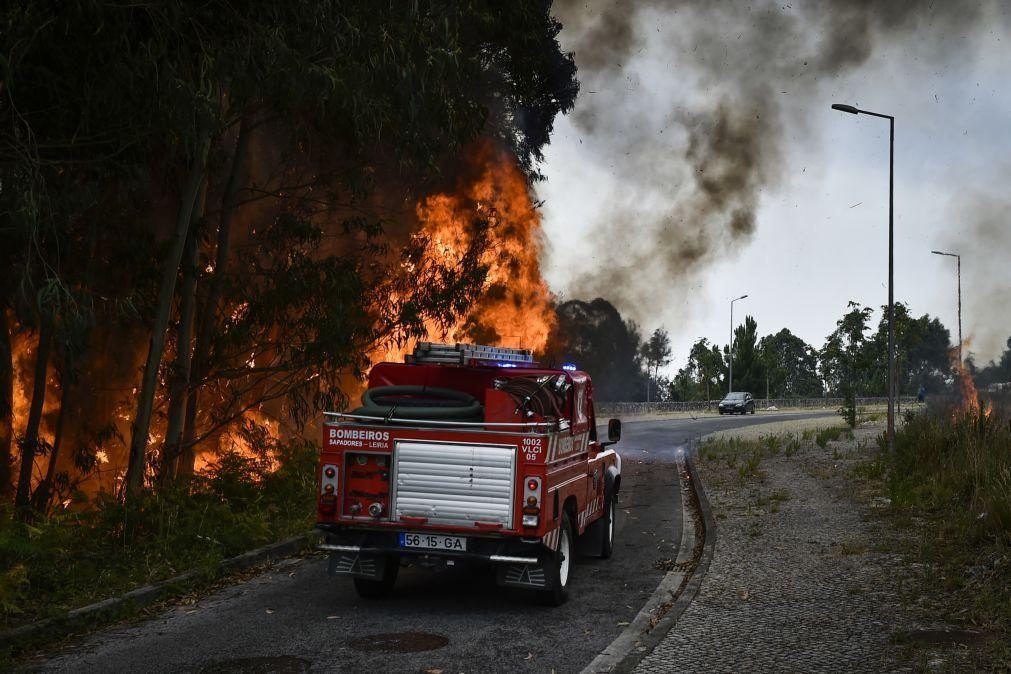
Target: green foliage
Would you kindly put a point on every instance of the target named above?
(595, 337)
(827, 435)
(77, 557)
(844, 361)
(870, 470)
(750, 466)
(922, 353)
(791, 365)
(958, 464)
(848, 411)
(703, 376)
(854, 364)
(954, 470)
(773, 444)
(749, 367)
(656, 353)
(14, 587)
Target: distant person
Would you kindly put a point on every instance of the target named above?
(921, 395)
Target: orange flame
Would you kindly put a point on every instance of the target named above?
(515, 308)
(972, 407)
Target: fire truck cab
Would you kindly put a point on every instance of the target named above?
(464, 454)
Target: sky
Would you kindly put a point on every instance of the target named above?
(673, 94)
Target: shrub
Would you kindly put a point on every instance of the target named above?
(827, 435)
(959, 464)
(73, 557)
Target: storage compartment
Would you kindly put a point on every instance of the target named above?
(366, 483)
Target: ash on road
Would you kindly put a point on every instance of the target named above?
(295, 617)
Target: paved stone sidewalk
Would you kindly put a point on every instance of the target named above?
(794, 585)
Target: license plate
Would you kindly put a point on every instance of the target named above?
(433, 542)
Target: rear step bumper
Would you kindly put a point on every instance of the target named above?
(363, 554)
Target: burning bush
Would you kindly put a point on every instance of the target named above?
(957, 462)
(952, 466)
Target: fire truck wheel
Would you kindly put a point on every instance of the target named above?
(377, 589)
(607, 547)
(562, 560)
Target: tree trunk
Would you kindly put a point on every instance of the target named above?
(198, 368)
(44, 492)
(184, 351)
(30, 444)
(145, 397)
(6, 408)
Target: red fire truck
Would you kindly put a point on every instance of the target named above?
(468, 453)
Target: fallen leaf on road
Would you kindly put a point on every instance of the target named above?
(270, 610)
(332, 617)
(622, 623)
(530, 656)
(433, 671)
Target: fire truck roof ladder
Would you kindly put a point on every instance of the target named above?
(470, 354)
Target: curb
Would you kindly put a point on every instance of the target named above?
(149, 594)
(675, 591)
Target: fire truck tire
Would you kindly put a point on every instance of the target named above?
(381, 587)
(562, 561)
(607, 521)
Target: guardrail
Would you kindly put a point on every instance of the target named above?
(636, 408)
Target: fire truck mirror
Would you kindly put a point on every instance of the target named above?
(614, 430)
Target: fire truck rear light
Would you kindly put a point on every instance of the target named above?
(328, 489)
(532, 485)
(531, 501)
(330, 472)
(531, 520)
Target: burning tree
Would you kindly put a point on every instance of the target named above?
(214, 214)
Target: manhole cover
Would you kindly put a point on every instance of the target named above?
(282, 664)
(947, 637)
(399, 642)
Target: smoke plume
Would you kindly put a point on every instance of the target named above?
(691, 103)
(982, 237)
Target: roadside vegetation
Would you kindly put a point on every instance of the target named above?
(952, 467)
(77, 557)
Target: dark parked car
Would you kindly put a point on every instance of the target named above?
(738, 402)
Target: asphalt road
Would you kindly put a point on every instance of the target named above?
(295, 617)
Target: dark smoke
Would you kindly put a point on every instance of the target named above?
(695, 167)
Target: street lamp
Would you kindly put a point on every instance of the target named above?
(891, 260)
(958, 268)
(730, 380)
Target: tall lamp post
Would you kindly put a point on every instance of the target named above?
(891, 260)
(958, 269)
(730, 382)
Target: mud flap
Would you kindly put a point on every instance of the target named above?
(358, 565)
(523, 575)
